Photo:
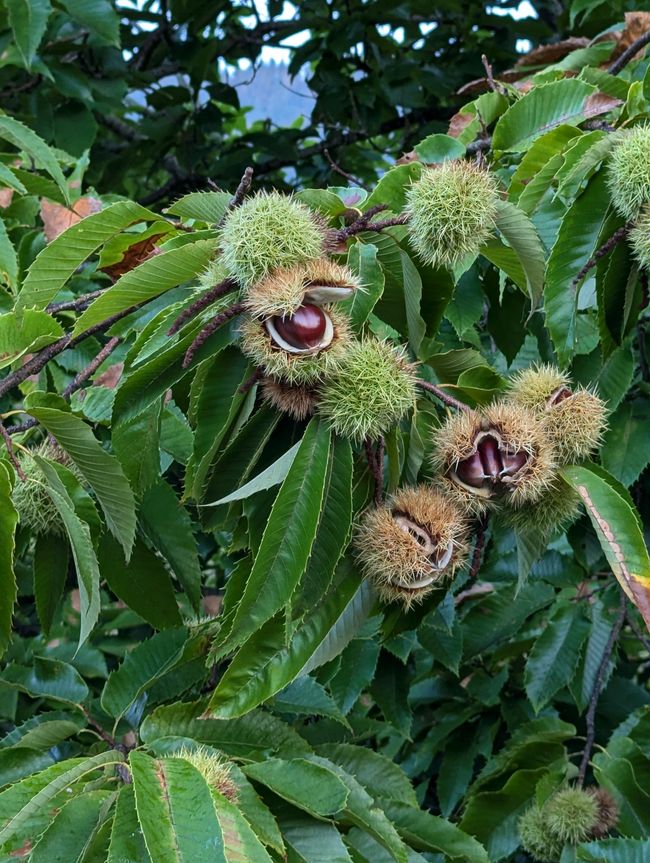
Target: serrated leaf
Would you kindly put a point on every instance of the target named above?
(617, 527)
(521, 236)
(60, 258)
(576, 241)
(287, 539)
(553, 659)
(28, 20)
(438, 148)
(240, 842)
(48, 678)
(28, 334)
(362, 260)
(208, 207)
(426, 832)
(51, 555)
(20, 803)
(152, 277)
(379, 775)
(44, 730)
(266, 664)
(140, 668)
(175, 811)
(271, 476)
(98, 16)
(8, 258)
(126, 842)
(614, 851)
(626, 448)
(66, 837)
(545, 148)
(308, 786)
(8, 588)
(543, 108)
(101, 471)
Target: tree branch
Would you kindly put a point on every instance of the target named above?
(606, 247)
(597, 690)
(443, 396)
(629, 53)
(92, 367)
(208, 329)
(203, 302)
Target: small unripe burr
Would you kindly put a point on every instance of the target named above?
(283, 291)
(536, 838)
(411, 544)
(35, 507)
(552, 513)
(213, 767)
(574, 418)
(452, 210)
(571, 814)
(267, 232)
(371, 388)
(629, 171)
(296, 400)
(607, 815)
(496, 455)
(640, 238)
(300, 348)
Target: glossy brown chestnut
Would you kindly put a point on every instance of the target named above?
(558, 396)
(304, 329)
(490, 464)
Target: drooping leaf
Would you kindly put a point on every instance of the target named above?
(66, 837)
(520, 233)
(308, 786)
(98, 16)
(8, 589)
(28, 20)
(48, 678)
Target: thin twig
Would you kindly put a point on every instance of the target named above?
(492, 84)
(597, 690)
(443, 396)
(242, 189)
(10, 451)
(606, 247)
(92, 367)
(362, 225)
(479, 546)
(339, 170)
(645, 641)
(629, 53)
(77, 304)
(208, 329)
(203, 302)
(250, 381)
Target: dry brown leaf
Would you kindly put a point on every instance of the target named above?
(57, 218)
(544, 55)
(5, 197)
(407, 158)
(600, 103)
(133, 255)
(481, 85)
(111, 377)
(459, 122)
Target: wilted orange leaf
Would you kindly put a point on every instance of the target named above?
(57, 218)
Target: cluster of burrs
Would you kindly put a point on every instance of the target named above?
(568, 817)
(503, 459)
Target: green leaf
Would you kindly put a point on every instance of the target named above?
(27, 334)
(8, 589)
(149, 279)
(101, 470)
(615, 851)
(145, 664)
(426, 832)
(19, 807)
(564, 102)
(308, 786)
(60, 258)
(521, 235)
(152, 379)
(617, 527)
(623, 770)
(216, 405)
(626, 448)
(287, 539)
(583, 682)
(8, 259)
(576, 241)
(48, 678)
(28, 20)
(83, 551)
(51, 556)
(168, 527)
(391, 188)
(266, 664)
(305, 696)
(545, 148)
(379, 775)
(127, 842)
(271, 476)
(362, 260)
(98, 16)
(175, 811)
(143, 583)
(240, 841)
(553, 659)
(66, 837)
(249, 737)
(44, 730)
(208, 207)
(439, 148)
(18, 762)
(412, 299)
(137, 446)
(312, 841)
